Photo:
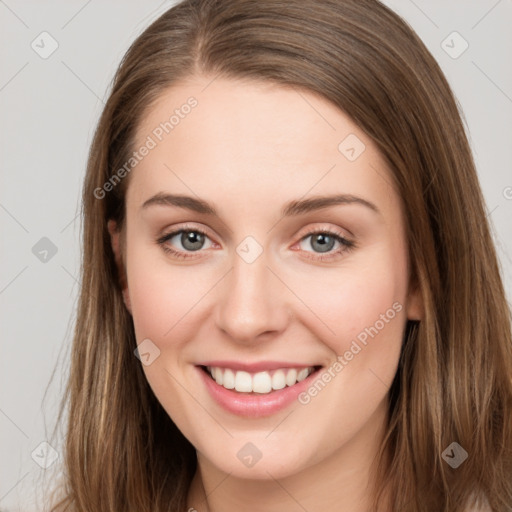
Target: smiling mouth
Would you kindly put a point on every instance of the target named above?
(259, 382)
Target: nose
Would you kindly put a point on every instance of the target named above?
(252, 302)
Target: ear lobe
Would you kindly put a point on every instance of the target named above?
(115, 241)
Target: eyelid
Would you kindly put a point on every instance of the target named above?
(325, 228)
(168, 232)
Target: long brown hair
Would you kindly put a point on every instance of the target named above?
(454, 381)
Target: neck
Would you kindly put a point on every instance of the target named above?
(343, 481)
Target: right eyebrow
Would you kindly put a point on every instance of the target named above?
(190, 203)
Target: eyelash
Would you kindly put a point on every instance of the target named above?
(346, 245)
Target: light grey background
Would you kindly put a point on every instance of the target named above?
(49, 108)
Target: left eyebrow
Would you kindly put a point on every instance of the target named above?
(292, 208)
(316, 203)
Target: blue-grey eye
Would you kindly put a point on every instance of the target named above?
(322, 242)
(192, 240)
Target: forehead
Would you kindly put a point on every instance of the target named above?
(257, 140)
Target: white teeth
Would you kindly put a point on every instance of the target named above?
(261, 382)
(302, 374)
(218, 375)
(278, 380)
(229, 379)
(243, 381)
(291, 377)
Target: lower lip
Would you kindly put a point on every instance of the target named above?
(255, 405)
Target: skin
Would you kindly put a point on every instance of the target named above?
(248, 148)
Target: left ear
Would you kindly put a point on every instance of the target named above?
(115, 241)
(415, 306)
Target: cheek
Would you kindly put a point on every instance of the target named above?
(361, 316)
(162, 296)
(165, 300)
(350, 300)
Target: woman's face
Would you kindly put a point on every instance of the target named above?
(294, 260)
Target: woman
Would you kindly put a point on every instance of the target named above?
(290, 296)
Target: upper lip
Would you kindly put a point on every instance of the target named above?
(256, 366)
